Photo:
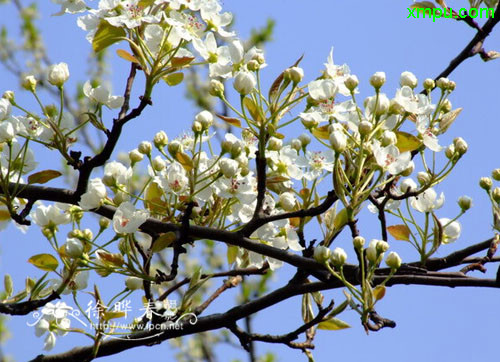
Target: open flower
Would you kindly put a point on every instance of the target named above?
(390, 159)
(102, 94)
(127, 219)
(93, 198)
(427, 201)
(451, 230)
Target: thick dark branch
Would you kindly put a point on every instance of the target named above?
(246, 338)
(24, 308)
(100, 159)
(474, 47)
(455, 258)
(254, 224)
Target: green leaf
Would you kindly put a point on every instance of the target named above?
(145, 3)
(333, 324)
(44, 261)
(127, 56)
(8, 285)
(232, 121)
(340, 219)
(399, 232)
(164, 241)
(43, 176)
(407, 142)
(339, 309)
(106, 35)
(423, 5)
(379, 292)
(448, 120)
(321, 132)
(174, 79)
(254, 110)
(181, 62)
(184, 160)
(232, 253)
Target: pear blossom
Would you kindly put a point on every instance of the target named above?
(316, 162)
(418, 104)
(288, 201)
(49, 216)
(127, 219)
(428, 134)
(116, 173)
(185, 26)
(101, 94)
(7, 132)
(218, 57)
(67, 123)
(390, 159)
(94, 197)
(284, 162)
(239, 187)
(210, 13)
(58, 74)
(244, 82)
(174, 179)
(427, 201)
(451, 230)
(322, 89)
(5, 108)
(132, 14)
(338, 73)
(53, 321)
(70, 6)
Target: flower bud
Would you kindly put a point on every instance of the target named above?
(51, 110)
(496, 174)
(196, 127)
(305, 139)
(236, 149)
(135, 156)
(338, 257)
(388, 138)
(226, 146)
(216, 88)
(104, 223)
(133, 283)
(73, 248)
(377, 80)
(160, 140)
(295, 74)
(460, 145)
(496, 194)
(351, 82)
(485, 183)
(393, 260)
(465, 202)
(423, 178)
(228, 167)
(158, 163)
(29, 83)
(395, 107)
(408, 185)
(338, 140)
(58, 74)
(452, 85)
(446, 106)
(275, 144)
(244, 82)
(296, 144)
(253, 65)
(409, 170)
(321, 254)
(87, 234)
(174, 147)
(408, 79)
(443, 83)
(145, 148)
(450, 151)
(205, 118)
(358, 242)
(309, 123)
(429, 84)
(382, 246)
(9, 95)
(287, 201)
(364, 128)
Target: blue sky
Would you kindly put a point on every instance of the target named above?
(434, 324)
